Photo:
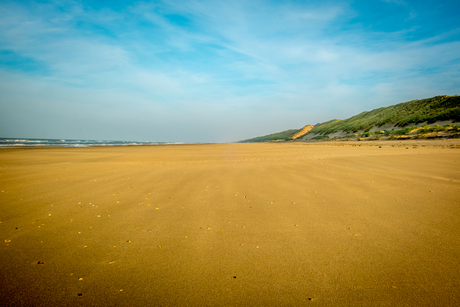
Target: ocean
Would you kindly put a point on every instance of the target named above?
(23, 142)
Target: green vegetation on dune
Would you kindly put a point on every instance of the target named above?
(280, 136)
(418, 131)
(429, 110)
(404, 115)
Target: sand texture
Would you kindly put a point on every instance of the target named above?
(289, 224)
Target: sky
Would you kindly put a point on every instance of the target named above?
(215, 71)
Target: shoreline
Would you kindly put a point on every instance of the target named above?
(440, 142)
(98, 146)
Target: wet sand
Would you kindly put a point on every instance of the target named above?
(290, 224)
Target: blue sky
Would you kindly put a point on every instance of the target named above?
(215, 71)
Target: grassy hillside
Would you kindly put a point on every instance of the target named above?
(412, 112)
(409, 132)
(280, 136)
(430, 110)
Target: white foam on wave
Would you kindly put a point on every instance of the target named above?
(21, 142)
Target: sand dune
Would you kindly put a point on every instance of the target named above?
(290, 224)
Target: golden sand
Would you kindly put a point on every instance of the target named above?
(288, 224)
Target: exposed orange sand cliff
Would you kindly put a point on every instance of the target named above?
(289, 224)
(302, 131)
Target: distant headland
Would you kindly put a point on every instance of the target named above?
(436, 117)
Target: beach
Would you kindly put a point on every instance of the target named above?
(288, 224)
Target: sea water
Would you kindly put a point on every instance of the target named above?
(24, 142)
